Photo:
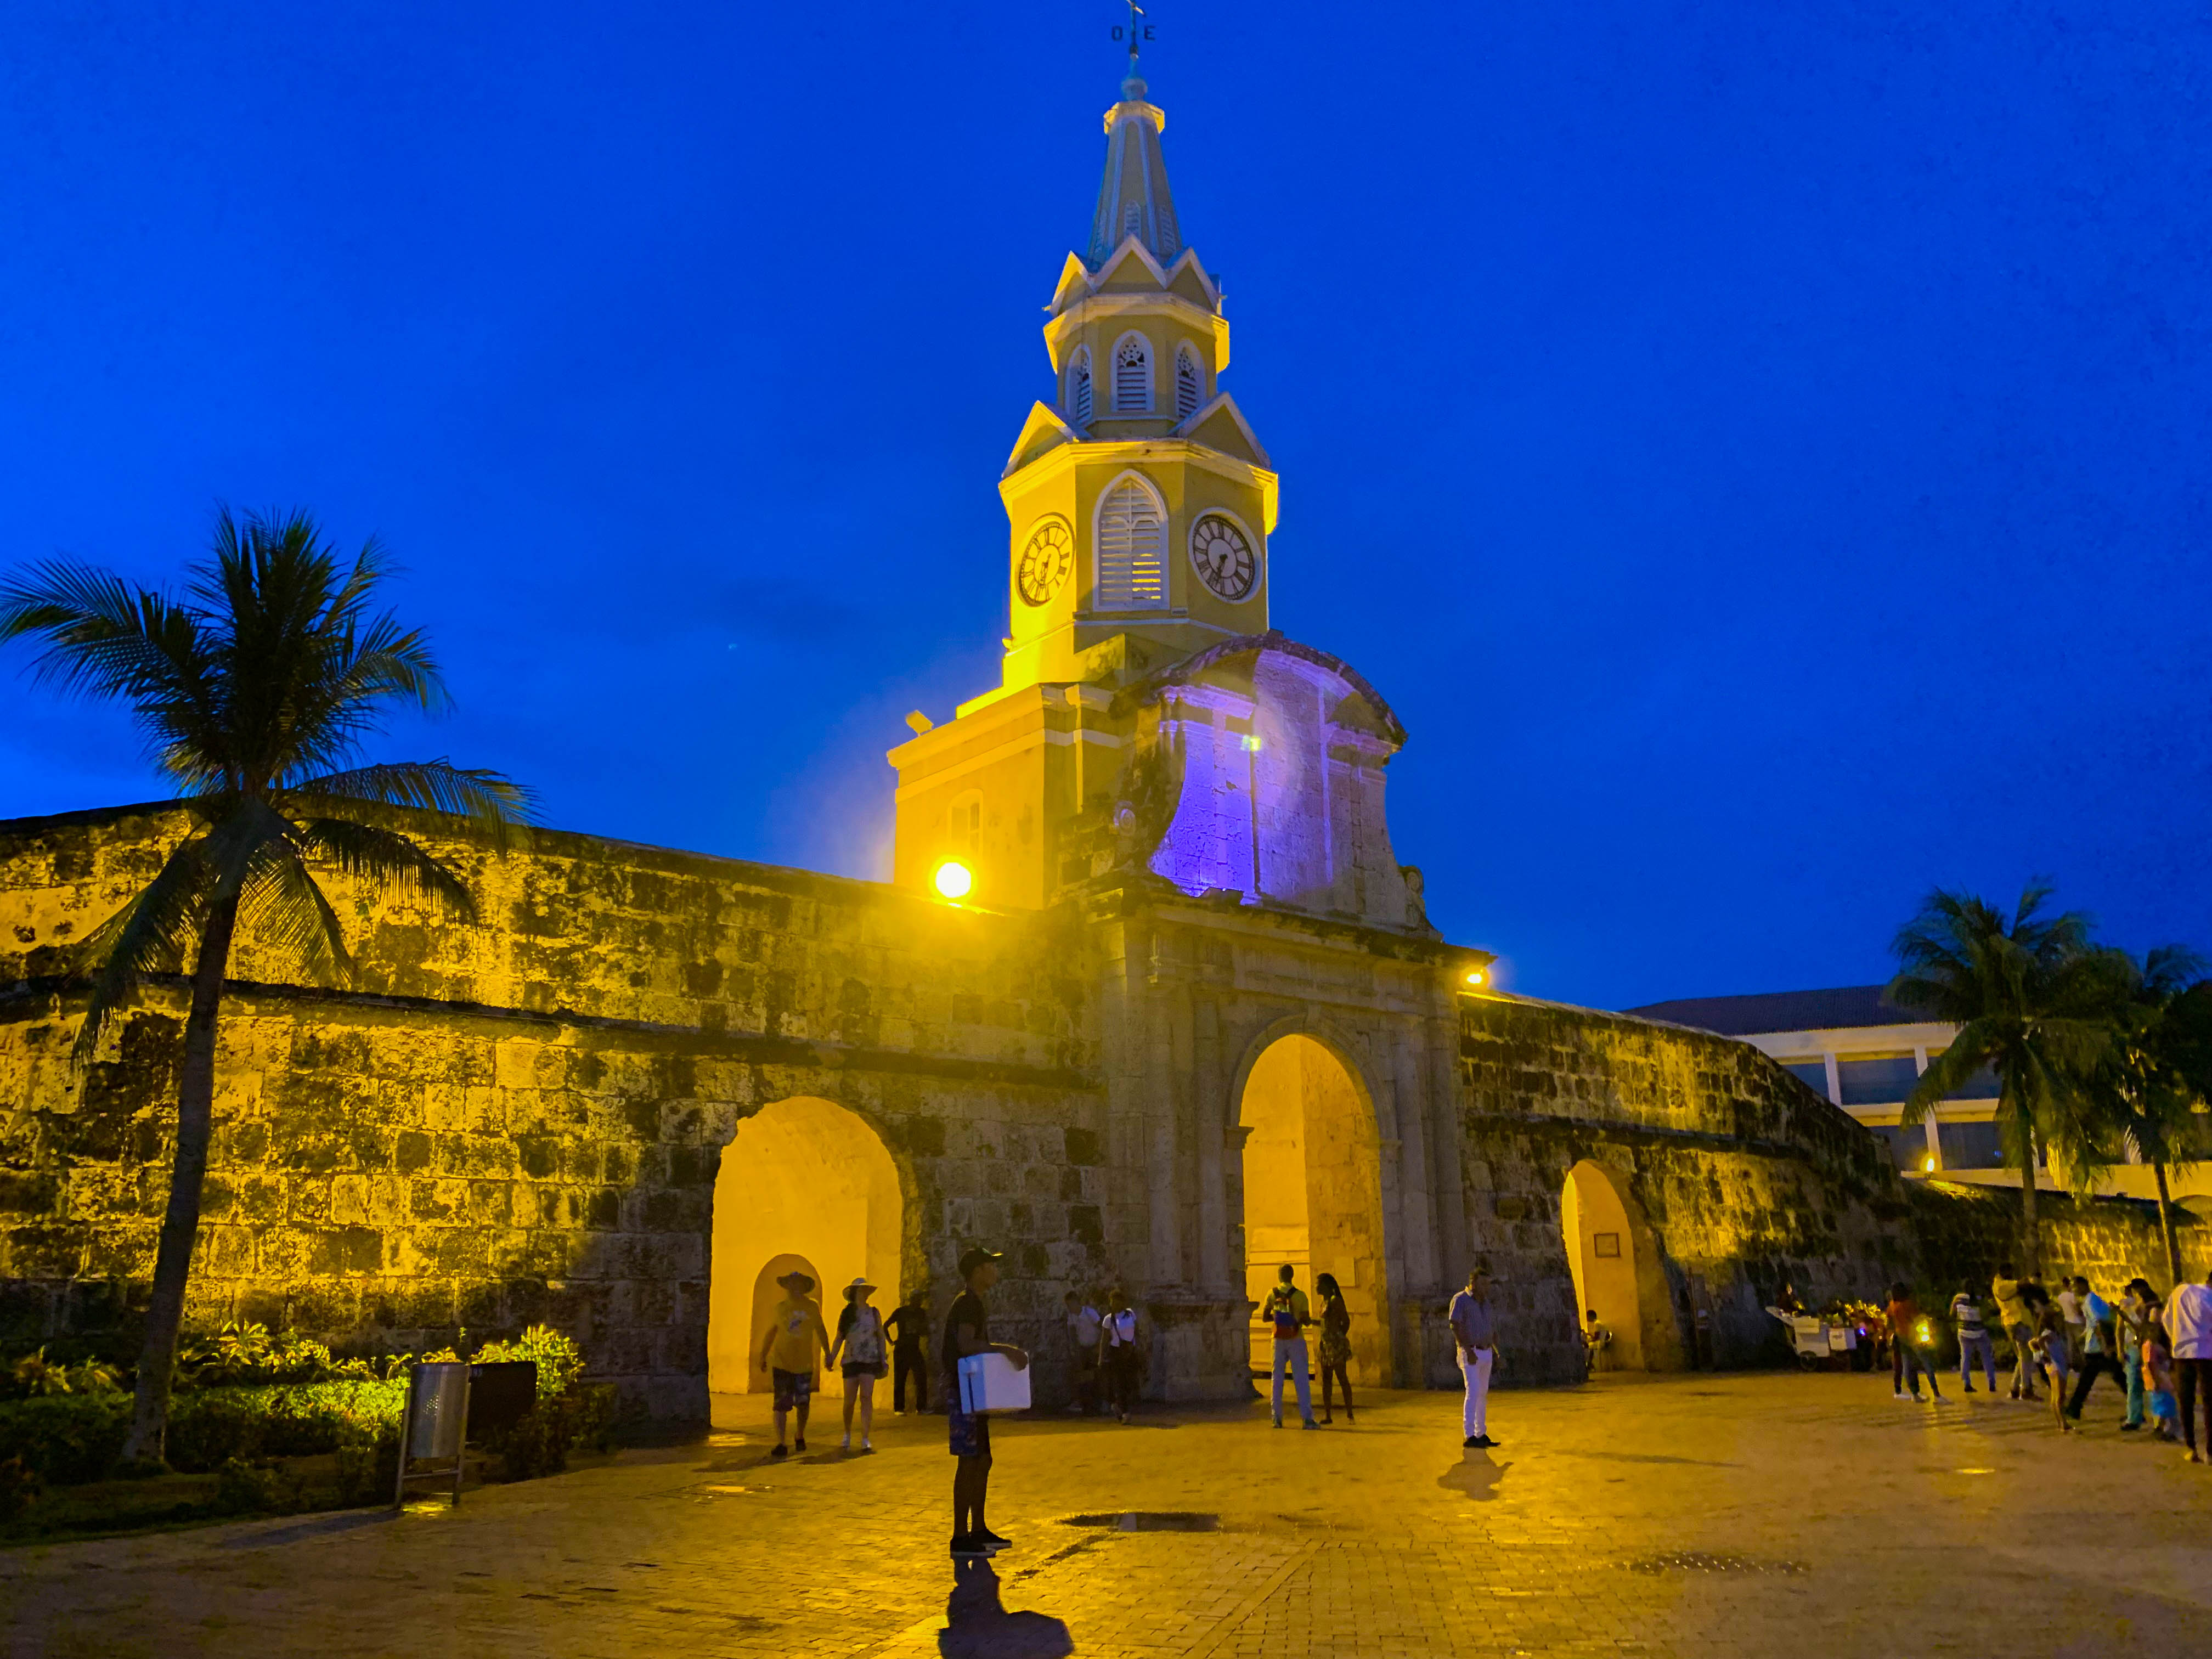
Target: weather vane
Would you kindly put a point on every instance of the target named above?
(1138, 33)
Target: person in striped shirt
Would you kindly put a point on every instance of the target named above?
(1973, 1339)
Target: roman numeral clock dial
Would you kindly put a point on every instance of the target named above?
(1222, 555)
(1046, 558)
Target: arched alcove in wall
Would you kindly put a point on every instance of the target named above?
(1313, 1194)
(1616, 1269)
(805, 1183)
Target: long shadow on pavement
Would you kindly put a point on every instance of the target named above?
(978, 1625)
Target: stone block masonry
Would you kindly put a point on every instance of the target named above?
(525, 1118)
(538, 1114)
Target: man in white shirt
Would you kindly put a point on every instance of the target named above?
(1474, 1331)
(1083, 1327)
(2189, 1323)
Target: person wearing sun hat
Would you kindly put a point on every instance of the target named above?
(794, 1331)
(968, 1331)
(860, 1338)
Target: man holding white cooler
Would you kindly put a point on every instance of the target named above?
(1474, 1331)
(967, 1333)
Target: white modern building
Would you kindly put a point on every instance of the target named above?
(1853, 1045)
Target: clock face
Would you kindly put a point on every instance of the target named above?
(1223, 556)
(1047, 557)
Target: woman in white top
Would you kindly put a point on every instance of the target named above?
(860, 1340)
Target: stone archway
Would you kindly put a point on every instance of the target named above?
(1313, 1192)
(1617, 1272)
(805, 1183)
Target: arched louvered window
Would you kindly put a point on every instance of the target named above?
(1079, 388)
(1133, 548)
(1132, 376)
(1187, 383)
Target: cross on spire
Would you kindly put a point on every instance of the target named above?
(1136, 34)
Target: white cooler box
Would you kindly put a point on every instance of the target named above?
(990, 1383)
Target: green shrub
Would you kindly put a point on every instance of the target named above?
(34, 1375)
(538, 1442)
(209, 1426)
(368, 1465)
(598, 1414)
(64, 1438)
(560, 1361)
(20, 1487)
(247, 1487)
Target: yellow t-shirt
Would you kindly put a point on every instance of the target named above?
(798, 1327)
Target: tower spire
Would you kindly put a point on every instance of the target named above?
(1133, 199)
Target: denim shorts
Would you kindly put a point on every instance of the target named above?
(970, 1433)
(793, 1389)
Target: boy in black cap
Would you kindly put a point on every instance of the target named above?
(967, 1331)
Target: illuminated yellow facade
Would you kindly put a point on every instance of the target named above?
(1139, 505)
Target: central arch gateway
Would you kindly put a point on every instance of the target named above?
(1313, 1194)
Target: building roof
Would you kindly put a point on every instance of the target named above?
(1132, 197)
(1838, 1008)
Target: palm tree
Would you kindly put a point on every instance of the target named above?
(2030, 995)
(2159, 1070)
(254, 687)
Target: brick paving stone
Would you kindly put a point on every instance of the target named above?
(1654, 1517)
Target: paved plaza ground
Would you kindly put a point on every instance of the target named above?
(1733, 1515)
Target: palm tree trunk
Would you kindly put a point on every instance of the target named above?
(2031, 1244)
(2165, 1226)
(181, 1223)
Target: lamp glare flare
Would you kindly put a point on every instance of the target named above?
(953, 879)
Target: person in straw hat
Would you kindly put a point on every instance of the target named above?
(794, 1331)
(861, 1337)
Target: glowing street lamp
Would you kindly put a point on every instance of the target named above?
(1475, 977)
(953, 879)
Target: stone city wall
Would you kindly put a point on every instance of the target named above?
(1735, 1179)
(525, 1119)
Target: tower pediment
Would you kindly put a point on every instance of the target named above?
(1221, 425)
(1042, 433)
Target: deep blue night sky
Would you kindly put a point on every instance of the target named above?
(1761, 452)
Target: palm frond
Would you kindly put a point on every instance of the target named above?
(381, 857)
(438, 786)
(282, 907)
(154, 933)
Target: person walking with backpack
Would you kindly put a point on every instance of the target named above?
(1474, 1331)
(1336, 1346)
(1118, 1359)
(1288, 1311)
(860, 1340)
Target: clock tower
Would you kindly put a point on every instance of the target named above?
(1146, 717)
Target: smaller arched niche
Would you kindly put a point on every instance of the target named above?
(1617, 1275)
(805, 1184)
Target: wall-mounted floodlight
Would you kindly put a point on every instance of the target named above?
(1475, 977)
(953, 879)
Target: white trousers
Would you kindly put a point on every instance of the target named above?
(1476, 1368)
